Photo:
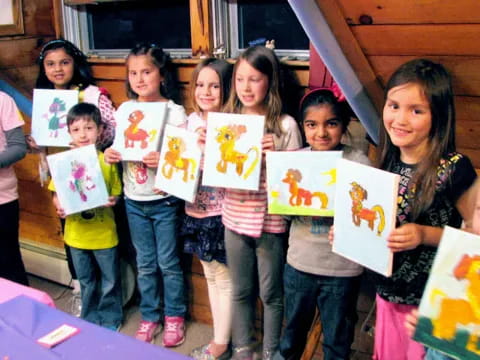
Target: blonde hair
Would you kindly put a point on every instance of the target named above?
(265, 61)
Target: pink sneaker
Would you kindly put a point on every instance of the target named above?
(147, 330)
(174, 332)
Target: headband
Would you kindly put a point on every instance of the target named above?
(334, 89)
(75, 51)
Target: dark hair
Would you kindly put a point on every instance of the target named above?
(162, 60)
(326, 97)
(84, 110)
(265, 61)
(436, 83)
(82, 75)
(224, 71)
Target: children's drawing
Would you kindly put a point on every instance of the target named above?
(134, 133)
(302, 182)
(178, 170)
(233, 150)
(78, 179)
(139, 128)
(359, 213)
(174, 160)
(227, 136)
(49, 116)
(365, 212)
(449, 313)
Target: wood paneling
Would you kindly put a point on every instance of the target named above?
(201, 28)
(37, 17)
(411, 11)
(418, 40)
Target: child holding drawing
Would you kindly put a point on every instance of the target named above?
(418, 143)
(254, 239)
(202, 229)
(152, 214)
(314, 276)
(92, 235)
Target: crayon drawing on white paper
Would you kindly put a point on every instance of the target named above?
(49, 116)
(233, 151)
(78, 179)
(365, 213)
(178, 169)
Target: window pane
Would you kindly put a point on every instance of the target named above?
(120, 25)
(270, 19)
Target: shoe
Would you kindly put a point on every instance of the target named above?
(76, 305)
(147, 330)
(76, 287)
(174, 332)
(242, 353)
(203, 353)
(267, 354)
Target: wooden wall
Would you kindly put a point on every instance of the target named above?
(18, 56)
(391, 32)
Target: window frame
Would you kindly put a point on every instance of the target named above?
(223, 15)
(75, 27)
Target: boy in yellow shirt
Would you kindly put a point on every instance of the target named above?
(92, 234)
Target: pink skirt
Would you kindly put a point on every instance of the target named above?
(391, 339)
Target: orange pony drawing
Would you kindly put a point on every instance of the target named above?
(226, 137)
(175, 161)
(455, 311)
(133, 133)
(358, 195)
(300, 196)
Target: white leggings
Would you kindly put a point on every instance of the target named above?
(220, 295)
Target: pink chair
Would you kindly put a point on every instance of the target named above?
(10, 289)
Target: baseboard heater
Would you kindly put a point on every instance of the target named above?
(45, 261)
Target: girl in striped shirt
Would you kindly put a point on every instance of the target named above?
(254, 239)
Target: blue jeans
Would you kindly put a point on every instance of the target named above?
(102, 298)
(251, 260)
(435, 355)
(336, 298)
(153, 229)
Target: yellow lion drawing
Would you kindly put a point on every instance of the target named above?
(226, 137)
(175, 161)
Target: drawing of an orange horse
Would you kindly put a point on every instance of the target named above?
(133, 133)
(455, 311)
(174, 160)
(226, 137)
(298, 195)
(358, 195)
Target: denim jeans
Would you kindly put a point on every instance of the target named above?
(102, 298)
(432, 354)
(153, 229)
(336, 298)
(11, 263)
(250, 260)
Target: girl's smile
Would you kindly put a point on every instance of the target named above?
(59, 68)
(323, 131)
(144, 78)
(251, 87)
(408, 120)
(207, 90)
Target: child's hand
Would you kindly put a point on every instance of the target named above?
(112, 156)
(331, 235)
(202, 135)
(267, 143)
(159, 192)
(32, 146)
(476, 214)
(112, 200)
(58, 207)
(411, 321)
(152, 159)
(405, 237)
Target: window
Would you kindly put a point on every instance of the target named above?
(111, 29)
(253, 20)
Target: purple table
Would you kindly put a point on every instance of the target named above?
(24, 320)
